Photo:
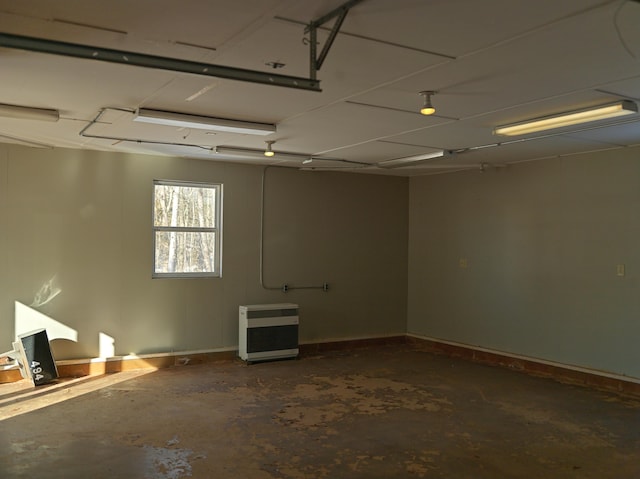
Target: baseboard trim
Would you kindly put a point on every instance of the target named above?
(536, 367)
(73, 368)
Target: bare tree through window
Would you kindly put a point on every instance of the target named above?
(186, 223)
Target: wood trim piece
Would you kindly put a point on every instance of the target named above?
(10, 376)
(92, 367)
(561, 373)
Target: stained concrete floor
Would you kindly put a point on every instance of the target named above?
(385, 412)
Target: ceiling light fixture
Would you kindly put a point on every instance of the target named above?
(305, 158)
(269, 151)
(28, 113)
(427, 108)
(253, 153)
(576, 117)
(410, 160)
(183, 120)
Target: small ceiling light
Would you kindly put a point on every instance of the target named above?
(602, 112)
(427, 108)
(269, 151)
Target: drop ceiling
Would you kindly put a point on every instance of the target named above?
(491, 63)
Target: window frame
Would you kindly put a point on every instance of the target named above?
(216, 229)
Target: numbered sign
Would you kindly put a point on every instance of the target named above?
(39, 358)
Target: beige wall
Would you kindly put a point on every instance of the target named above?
(542, 241)
(80, 222)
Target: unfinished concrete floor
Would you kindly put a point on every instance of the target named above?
(385, 412)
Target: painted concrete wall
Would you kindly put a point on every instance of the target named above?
(541, 242)
(76, 245)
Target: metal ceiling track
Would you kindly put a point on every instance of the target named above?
(87, 52)
(312, 29)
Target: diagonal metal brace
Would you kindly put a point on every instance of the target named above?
(312, 29)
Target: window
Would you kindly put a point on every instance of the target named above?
(187, 229)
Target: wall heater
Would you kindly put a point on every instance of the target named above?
(268, 331)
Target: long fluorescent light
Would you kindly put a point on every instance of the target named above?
(305, 158)
(254, 153)
(183, 120)
(410, 160)
(612, 110)
(28, 113)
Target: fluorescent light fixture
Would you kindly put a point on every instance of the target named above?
(602, 112)
(28, 113)
(183, 120)
(306, 159)
(410, 160)
(254, 153)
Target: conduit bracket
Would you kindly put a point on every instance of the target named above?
(316, 60)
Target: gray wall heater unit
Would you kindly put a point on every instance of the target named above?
(268, 331)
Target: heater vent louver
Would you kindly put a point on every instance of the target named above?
(268, 331)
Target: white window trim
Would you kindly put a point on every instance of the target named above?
(217, 261)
